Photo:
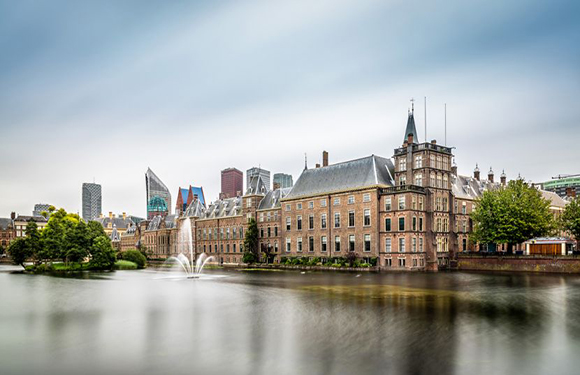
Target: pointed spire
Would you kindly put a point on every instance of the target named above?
(411, 129)
(305, 161)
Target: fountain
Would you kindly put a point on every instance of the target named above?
(192, 269)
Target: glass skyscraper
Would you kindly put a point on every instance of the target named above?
(92, 201)
(158, 196)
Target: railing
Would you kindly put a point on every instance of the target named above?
(424, 146)
(403, 188)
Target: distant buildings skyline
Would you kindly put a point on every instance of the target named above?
(39, 208)
(232, 182)
(91, 201)
(158, 195)
(283, 180)
(258, 171)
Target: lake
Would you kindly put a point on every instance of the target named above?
(287, 322)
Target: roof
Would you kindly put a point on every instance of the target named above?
(199, 191)
(195, 209)
(555, 199)
(184, 193)
(115, 235)
(354, 174)
(411, 129)
(466, 187)
(116, 222)
(550, 240)
(257, 186)
(272, 199)
(38, 219)
(223, 208)
(5, 223)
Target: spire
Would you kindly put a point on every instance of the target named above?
(305, 161)
(411, 129)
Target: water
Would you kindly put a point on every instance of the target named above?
(130, 322)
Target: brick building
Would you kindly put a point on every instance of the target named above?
(232, 183)
(7, 231)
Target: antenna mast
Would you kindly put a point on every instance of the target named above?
(445, 124)
(425, 118)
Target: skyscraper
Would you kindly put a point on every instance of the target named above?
(232, 183)
(256, 171)
(92, 201)
(39, 208)
(158, 195)
(283, 180)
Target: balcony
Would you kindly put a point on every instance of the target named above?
(424, 146)
(403, 189)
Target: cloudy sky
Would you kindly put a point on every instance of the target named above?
(103, 90)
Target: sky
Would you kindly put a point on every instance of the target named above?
(100, 91)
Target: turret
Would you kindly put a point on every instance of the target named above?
(503, 177)
(490, 175)
(476, 172)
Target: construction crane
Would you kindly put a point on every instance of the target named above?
(560, 176)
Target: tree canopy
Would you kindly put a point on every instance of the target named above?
(251, 242)
(570, 219)
(511, 215)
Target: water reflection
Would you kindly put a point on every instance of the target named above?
(289, 323)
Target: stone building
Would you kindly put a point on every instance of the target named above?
(7, 231)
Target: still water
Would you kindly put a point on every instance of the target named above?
(234, 322)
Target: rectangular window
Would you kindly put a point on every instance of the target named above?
(414, 223)
(234, 247)
(414, 244)
(261, 232)
(388, 224)
(310, 244)
(323, 203)
(351, 242)
(337, 220)
(366, 197)
(299, 222)
(288, 223)
(464, 208)
(420, 224)
(388, 206)
(311, 204)
(388, 245)
(401, 245)
(388, 262)
(401, 224)
(298, 206)
(323, 221)
(337, 244)
(249, 202)
(351, 218)
(287, 207)
(269, 216)
(336, 201)
(418, 161)
(351, 199)
(299, 244)
(420, 244)
(269, 232)
(276, 231)
(288, 245)
(367, 242)
(261, 217)
(367, 217)
(323, 244)
(311, 222)
(402, 203)
(401, 262)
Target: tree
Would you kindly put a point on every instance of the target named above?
(251, 242)
(77, 242)
(511, 215)
(570, 219)
(53, 236)
(1, 249)
(19, 251)
(33, 240)
(103, 256)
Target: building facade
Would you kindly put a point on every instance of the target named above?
(283, 181)
(92, 201)
(232, 183)
(564, 187)
(39, 208)
(255, 172)
(186, 196)
(21, 221)
(158, 196)
(7, 231)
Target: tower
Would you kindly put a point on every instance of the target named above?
(92, 201)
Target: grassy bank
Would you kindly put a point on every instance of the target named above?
(76, 267)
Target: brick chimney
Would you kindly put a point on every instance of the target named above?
(503, 178)
(410, 139)
(325, 158)
(476, 172)
(110, 214)
(13, 215)
(317, 165)
(434, 141)
(124, 216)
(490, 175)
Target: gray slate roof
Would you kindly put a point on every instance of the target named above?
(272, 199)
(555, 199)
(466, 187)
(223, 208)
(117, 222)
(5, 223)
(411, 129)
(354, 174)
(195, 209)
(38, 219)
(257, 186)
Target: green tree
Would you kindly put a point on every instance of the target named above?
(19, 251)
(77, 241)
(1, 249)
(33, 240)
(53, 236)
(103, 256)
(134, 256)
(511, 215)
(570, 219)
(251, 242)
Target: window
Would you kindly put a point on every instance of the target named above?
(388, 262)
(402, 164)
(299, 222)
(414, 223)
(445, 185)
(439, 181)
(336, 201)
(234, 248)
(351, 199)
(388, 245)
(249, 202)
(288, 245)
(299, 244)
(402, 180)
(311, 204)
(402, 203)
(269, 232)
(276, 246)
(465, 244)
(367, 242)
(420, 224)
(388, 224)
(351, 218)
(261, 232)
(288, 223)
(323, 244)
(432, 184)
(227, 248)
(419, 179)
(323, 203)
(287, 207)
(367, 217)
(337, 244)
(414, 262)
(311, 222)
(414, 244)
(464, 208)
(351, 242)
(388, 206)
(401, 245)
(298, 206)
(420, 243)
(421, 203)
(401, 262)
(269, 216)
(366, 197)
(413, 202)
(310, 244)
(401, 224)
(323, 221)
(276, 231)
(261, 217)
(418, 161)
(337, 220)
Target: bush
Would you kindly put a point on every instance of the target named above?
(374, 261)
(134, 256)
(336, 265)
(249, 257)
(125, 265)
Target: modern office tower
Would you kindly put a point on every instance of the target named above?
(92, 201)
(158, 196)
(232, 183)
(256, 171)
(283, 180)
(567, 186)
(39, 208)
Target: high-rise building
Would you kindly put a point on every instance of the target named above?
(232, 183)
(92, 201)
(257, 171)
(186, 196)
(283, 180)
(568, 186)
(39, 208)
(158, 196)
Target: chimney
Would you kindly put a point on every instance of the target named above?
(490, 175)
(476, 172)
(276, 185)
(410, 139)
(317, 165)
(503, 178)
(13, 215)
(325, 158)
(124, 216)
(434, 141)
(195, 197)
(110, 214)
